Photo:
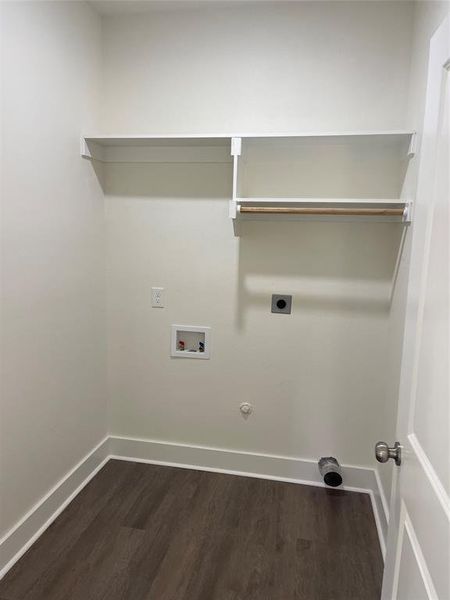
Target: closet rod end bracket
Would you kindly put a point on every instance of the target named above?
(407, 213)
(412, 145)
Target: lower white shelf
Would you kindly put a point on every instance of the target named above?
(321, 201)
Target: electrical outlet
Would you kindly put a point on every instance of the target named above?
(157, 297)
(281, 303)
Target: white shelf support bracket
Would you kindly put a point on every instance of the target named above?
(412, 145)
(236, 148)
(91, 150)
(84, 148)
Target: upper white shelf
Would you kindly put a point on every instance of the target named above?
(200, 137)
(225, 139)
(157, 140)
(112, 147)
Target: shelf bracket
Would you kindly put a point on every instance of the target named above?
(412, 145)
(236, 146)
(91, 150)
(236, 149)
(84, 148)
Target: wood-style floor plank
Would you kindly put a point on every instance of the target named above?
(145, 532)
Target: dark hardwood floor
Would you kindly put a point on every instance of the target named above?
(144, 532)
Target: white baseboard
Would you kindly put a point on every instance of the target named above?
(33, 524)
(249, 464)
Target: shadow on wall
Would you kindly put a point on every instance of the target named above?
(167, 180)
(334, 267)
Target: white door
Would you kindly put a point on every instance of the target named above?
(418, 549)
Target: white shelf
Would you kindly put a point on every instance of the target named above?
(386, 149)
(150, 137)
(369, 157)
(394, 136)
(146, 148)
(394, 202)
(96, 145)
(146, 140)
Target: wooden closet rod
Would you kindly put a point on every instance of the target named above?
(272, 210)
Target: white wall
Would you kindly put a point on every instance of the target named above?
(427, 18)
(258, 67)
(317, 379)
(53, 352)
